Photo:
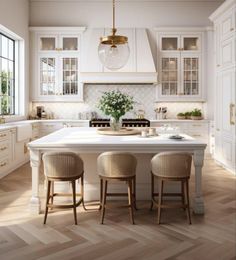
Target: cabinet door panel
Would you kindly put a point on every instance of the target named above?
(190, 78)
(228, 24)
(47, 75)
(228, 92)
(170, 75)
(228, 52)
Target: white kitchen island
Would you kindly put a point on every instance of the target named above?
(89, 144)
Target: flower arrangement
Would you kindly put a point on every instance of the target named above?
(115, 104)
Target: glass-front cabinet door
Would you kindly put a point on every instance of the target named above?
(170, 43)
(190, 43)
(190, 77)
(69, 75)
(48, 84)
(169, 76)
(57, 43)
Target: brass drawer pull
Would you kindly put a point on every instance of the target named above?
(3, 148)
(232, 114)
(196, 125)
(3, 164)
(3, 135)
(196, 135)
(231, 29)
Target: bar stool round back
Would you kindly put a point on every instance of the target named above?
(171, 166)
(63, 166)
(119, 166)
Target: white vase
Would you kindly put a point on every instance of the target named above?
(115, 123)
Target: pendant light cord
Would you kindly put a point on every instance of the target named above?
(113, 20)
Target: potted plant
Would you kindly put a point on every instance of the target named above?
(188, 115)
(115, 104)
(181, 116)
(196, 114)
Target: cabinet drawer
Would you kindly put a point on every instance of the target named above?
(4, 135)
(49, 128)
(4, 148)
(4, 163)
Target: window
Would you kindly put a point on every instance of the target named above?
(7, 75)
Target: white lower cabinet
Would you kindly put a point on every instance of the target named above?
(198, 130)
(5, 151)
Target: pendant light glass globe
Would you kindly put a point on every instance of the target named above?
(113, 57)
(113, 50)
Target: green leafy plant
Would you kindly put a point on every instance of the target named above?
(196, 112)
(115, 104)
(180, 114)
(188, 114)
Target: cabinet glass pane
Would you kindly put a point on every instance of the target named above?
(47, 76)
(191, 76)
(169, 76)
(191, 44)
(70, 76)
(47, 43)
(169, 44)
(70, 44)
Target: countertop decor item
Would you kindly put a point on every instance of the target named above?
(115, 104)
(113, 50)
(122, 131)
(181, 116)
(196, 114)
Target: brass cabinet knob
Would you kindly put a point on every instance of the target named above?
(231, 29)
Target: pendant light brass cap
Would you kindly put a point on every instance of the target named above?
(114, 40)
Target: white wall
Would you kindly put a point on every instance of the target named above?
(14, 15)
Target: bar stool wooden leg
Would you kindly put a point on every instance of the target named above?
(182, 193)
(152, 190)
(101, 192)
(188, 206)
(52, 191)
(134, 192)
(82, 190)
(74, 201)
(160, 201)
(104, 195)
(47, 201)
(131, 204)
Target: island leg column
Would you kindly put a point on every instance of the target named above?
(198, 202)
(35, 160)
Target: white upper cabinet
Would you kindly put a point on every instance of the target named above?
(56, 62)
(180, 58)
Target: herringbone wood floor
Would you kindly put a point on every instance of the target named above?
(212, 236)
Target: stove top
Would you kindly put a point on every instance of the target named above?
(126, 122)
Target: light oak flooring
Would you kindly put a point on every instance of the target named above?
(212, 236)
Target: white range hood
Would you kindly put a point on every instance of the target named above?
(140, 68)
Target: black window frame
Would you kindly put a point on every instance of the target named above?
(13, 79)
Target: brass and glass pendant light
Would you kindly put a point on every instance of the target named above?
(113, 50)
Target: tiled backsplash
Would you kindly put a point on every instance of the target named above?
(144, 95)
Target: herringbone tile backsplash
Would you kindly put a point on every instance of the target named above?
(144, 95)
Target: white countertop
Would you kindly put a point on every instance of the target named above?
(87, 138)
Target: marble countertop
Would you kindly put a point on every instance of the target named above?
(11, 125)
(87, 138)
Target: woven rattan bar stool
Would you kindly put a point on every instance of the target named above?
(65, 166)
(120, 166)
(171, 166)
